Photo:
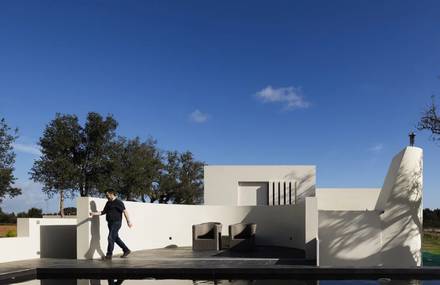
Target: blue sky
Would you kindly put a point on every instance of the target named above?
(337, 84)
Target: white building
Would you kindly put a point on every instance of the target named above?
(361, 227)
(335, 227)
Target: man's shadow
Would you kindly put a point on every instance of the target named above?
(95, 240)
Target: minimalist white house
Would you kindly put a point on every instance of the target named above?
(342, 227)
(335, 227)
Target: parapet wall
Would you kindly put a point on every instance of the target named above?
(162, 225)
(347, 199)
(40, 238)
(349, 238)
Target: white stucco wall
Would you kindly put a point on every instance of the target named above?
(27, 243)
(388, 233)
(161, 225)
(222, 181)
(349, 238)
(401, 203)
(347, 199)
(311, 227)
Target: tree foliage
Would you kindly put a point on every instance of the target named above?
(181, 180)
(97, 141)
(74, 158)
(7, 160)
(31, 213)
(70, 211)
(140, 171)
(11, 218)
(7, 218)
(190, 180)
(135, 167)
(91, 159)
(57, 168)
(167, 185)
(431, 218)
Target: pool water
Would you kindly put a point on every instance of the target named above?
(430, 259)
(381, 281)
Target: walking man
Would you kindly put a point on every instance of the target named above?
(113, 210)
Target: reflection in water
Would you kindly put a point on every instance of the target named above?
(382, 281)
(255, 282)
(115, 281)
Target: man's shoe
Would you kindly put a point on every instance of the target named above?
(107, 257)
(125, 254)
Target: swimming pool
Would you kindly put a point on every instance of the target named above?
(380, 281)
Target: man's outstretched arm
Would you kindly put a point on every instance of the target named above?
(98, 213)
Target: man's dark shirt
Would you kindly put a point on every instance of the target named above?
(113, 210)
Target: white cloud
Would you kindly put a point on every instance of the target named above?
(198, 117)
(291, 97)
(376, 148)
(27, 148)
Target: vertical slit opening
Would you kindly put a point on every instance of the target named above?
(279, 193)
(284, 196)
(273, 193)
(290, 193)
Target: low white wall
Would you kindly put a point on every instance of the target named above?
(347, 199)
(17, 248)
(27, 244)
(349, 238)
(387, 234)
(162, 225)
(349, 228)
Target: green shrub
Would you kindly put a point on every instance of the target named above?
(11, 233)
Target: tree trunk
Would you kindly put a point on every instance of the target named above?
(86, 186)
(81, 190)
(62, 203)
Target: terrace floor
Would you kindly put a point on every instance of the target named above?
(183, 263)
(292, 255)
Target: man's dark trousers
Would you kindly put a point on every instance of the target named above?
(113, 237)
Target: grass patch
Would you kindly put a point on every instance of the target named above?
(11, 233)
(431, 249)
(8, 230)
(431, 243)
